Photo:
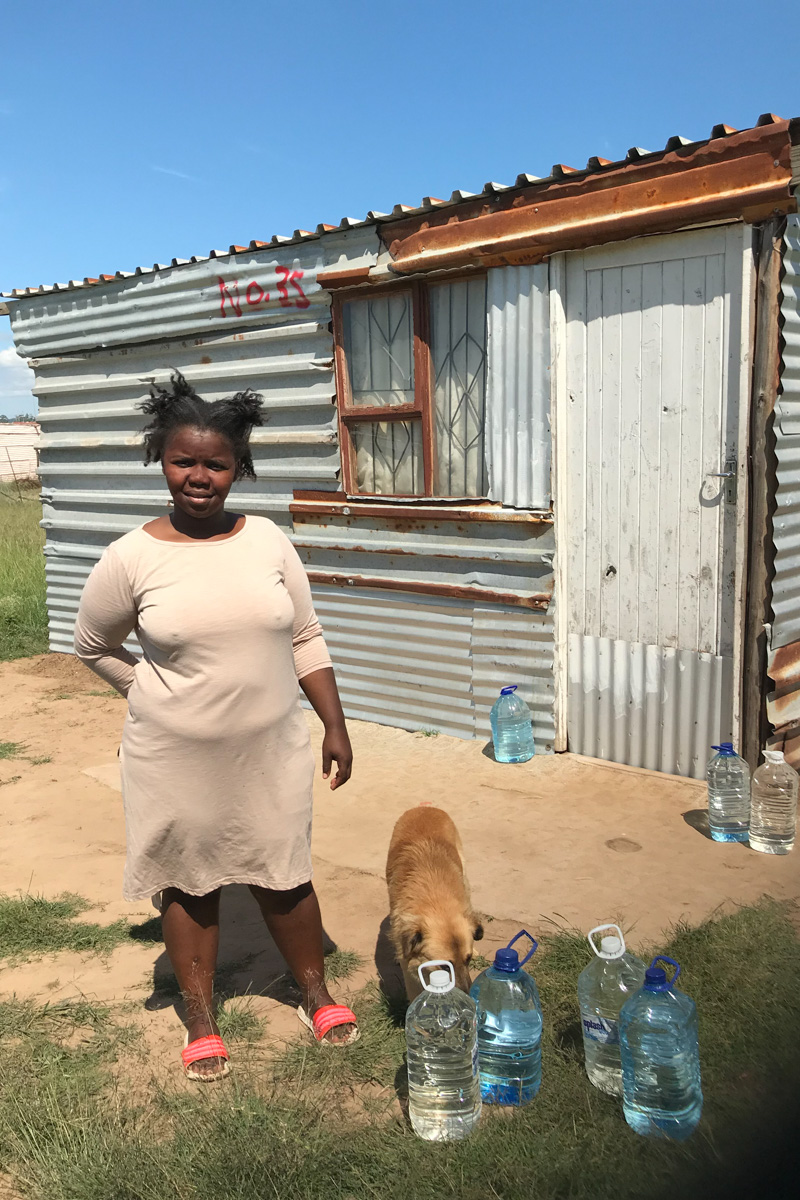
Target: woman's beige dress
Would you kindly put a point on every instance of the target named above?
(216, 761)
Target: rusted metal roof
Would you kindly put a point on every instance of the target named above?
(735, 175)
(598, 174)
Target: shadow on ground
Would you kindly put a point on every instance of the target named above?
(249, 963)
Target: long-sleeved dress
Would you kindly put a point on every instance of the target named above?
(216, 760)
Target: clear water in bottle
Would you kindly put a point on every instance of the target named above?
(661, 1094)
(444, 1095)
(773, 805)
(728, 778)
(509, 1029)
(603, 987)
(512, 731)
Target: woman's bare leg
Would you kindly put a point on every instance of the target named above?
(191, 936)
(293, 918)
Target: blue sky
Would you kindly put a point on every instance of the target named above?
(133, 133)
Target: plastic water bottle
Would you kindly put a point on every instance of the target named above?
(773, 805)
(661, 1093)
(728, 778)
(444, 1095)
(603, 987)
(509, 1029)
(512, 732)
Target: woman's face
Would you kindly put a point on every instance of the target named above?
(199, 467)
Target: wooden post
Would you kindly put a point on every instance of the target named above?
(763, 474)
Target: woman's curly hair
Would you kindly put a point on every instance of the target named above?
(179, 405)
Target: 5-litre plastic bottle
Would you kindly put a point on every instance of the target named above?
(444, 1095)
(661, 1094)
(603, 987)
(509, 1028)
(773, 805)
(512, 732)
(728, 778)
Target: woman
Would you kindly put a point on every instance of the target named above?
(216, 763)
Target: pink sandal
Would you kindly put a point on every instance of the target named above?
(204, 1047)
(329, 1017)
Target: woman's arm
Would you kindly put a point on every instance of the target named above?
(314, 670)
(320, 687)
(106, 616)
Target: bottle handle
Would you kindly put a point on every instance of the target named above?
(436, 962)
(531, 952)
(597, 929)
(662, 958)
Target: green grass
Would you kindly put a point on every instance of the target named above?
(10, 749)
(31, 925)
(23, 612)
(341, 964)
(323, 1125)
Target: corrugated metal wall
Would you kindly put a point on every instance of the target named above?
(518, 386)
(783, 706)
(647, 706)
(402, 658)
(786, 522)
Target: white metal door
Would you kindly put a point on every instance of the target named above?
(651, 441)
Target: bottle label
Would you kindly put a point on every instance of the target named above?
(599, 1029)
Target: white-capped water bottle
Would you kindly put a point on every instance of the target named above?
(512, 731)
(509, 1028)
(444, 1095)
(603, 987)
(661, 1093)
(728, 778)
(773, 805)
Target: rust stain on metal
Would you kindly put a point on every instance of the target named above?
(727, 177)
(538, 601)
(334, 279)
(784, 665)
(206, 358)
(411, 516)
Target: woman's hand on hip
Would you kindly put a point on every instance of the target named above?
(336, 748)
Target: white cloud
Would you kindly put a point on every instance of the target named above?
(16, 382)
(175, 174)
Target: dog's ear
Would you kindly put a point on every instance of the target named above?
(477, 933)
(412, 940)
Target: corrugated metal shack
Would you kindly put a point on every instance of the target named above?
(520, 436)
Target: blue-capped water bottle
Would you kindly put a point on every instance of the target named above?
(728, 778)
(512, 730)
(509, 1028)
(661, 1093)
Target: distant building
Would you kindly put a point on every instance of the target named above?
(19, 451)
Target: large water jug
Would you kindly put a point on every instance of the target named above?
(603, 987)
(661, 1093)
(773, 806)
(444, 1095)
(728, 778)
(509, 1028)
(512, 731)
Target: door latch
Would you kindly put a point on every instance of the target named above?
(729, 475)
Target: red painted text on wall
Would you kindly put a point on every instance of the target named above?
(230, 300)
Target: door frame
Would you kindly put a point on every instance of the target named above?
(740, 261)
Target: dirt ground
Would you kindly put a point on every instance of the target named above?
(562, 840)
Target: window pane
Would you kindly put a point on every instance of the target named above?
(379, 348)
(389, 457)
(458, 350)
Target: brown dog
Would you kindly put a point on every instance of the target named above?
(430, 914)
